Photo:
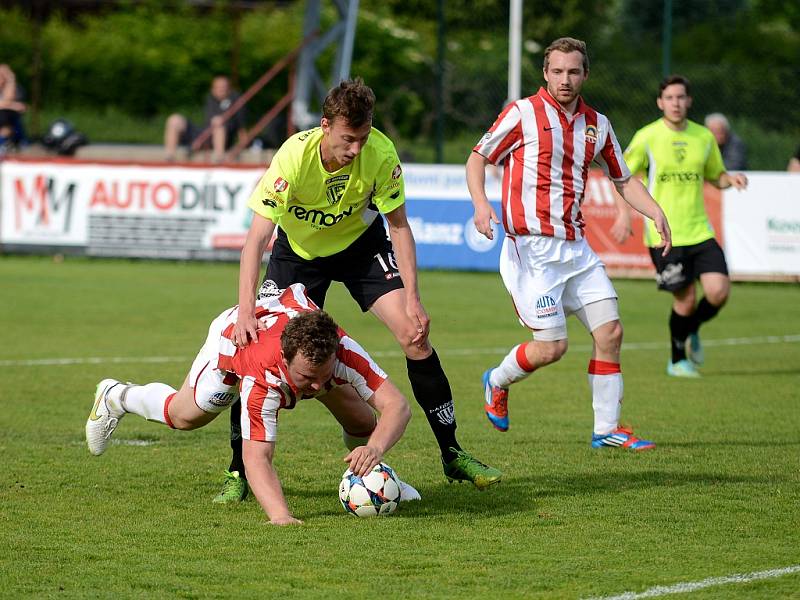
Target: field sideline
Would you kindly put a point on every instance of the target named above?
(711, 510)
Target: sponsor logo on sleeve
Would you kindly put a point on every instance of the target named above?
(281, 185)
(397, 172)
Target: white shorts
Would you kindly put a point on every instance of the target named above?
(214, 390)
(550, 278)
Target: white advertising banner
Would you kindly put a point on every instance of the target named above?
(171, 211)
(126, 210)
(761, 226)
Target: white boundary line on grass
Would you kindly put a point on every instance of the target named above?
(102, 360)
(691, 586)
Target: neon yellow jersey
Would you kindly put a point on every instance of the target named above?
(323, 213)
(675, 164)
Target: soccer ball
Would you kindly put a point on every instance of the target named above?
(377, 493)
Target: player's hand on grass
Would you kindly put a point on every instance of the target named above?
(285, 520)
(622, 229)
(363, 459)
(246, 329)
(416, 312)
(483, 218)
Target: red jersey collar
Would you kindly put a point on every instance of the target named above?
(580, 107)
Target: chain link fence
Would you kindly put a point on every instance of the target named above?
(763, 106)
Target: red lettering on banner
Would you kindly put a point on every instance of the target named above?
(171, 194)
(24, 202)
(137, 195)
(99, 195)
(141, 195)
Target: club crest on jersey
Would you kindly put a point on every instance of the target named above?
(397, 172)
(335, 188)
(591, 134)
(281, 184)
(546, 307)
(679, 148)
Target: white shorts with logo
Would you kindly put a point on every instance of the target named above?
(550, 278)
(214, 390)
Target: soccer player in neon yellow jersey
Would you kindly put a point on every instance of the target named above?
(677, 155)
(327, 188)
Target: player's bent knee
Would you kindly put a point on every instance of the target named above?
(718, 297)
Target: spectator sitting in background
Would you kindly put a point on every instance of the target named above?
(180, 131)
(11, 109)
(794, 162)
(733, 149)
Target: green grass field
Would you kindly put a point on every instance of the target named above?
(719, 496)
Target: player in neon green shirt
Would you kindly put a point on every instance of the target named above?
(676, 156)
(326, 189)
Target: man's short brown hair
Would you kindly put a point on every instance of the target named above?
(567, 45)
(314, 334)
(673, 80)
(352, 100)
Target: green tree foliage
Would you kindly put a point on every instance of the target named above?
(149, 59)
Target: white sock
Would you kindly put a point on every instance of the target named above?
(148, 401)
(514, 367)
(605, 381)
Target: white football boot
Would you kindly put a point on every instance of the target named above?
(407, 492)
(104, 418)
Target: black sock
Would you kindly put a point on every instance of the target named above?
(705, 312)
(679, 329)
(432, 393)
(237, 463)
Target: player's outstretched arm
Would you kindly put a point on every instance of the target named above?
(476, 183)
(637, 196)
(735, 180)
(394, 416)
(405, 251)
(258, 236)
(263, 480)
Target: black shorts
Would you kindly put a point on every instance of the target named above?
(683, 264)
(367, 268)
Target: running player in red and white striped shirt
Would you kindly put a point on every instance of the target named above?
(546, 143)
(300, 353)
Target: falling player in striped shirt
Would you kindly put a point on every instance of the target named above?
(300, 353)
(546, 143)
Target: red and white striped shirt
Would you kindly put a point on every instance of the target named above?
(266, 387)
(546, 156)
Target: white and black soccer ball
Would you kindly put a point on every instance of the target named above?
(377, 493)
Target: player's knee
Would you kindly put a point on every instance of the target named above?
(608, 337)
(614, 333)
(179, 422)
(411, 350)
(546, 353)
(718, 297)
